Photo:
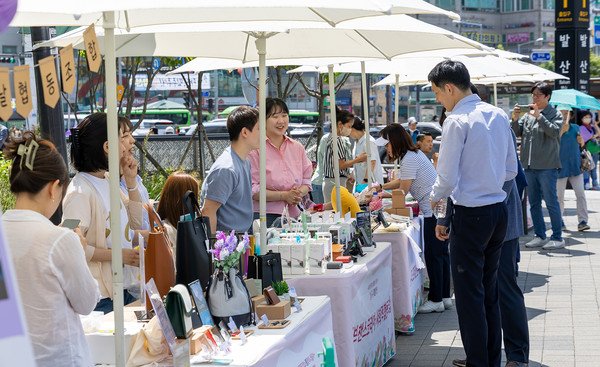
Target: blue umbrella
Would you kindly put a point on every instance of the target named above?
(574, 98)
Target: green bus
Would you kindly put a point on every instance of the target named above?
(180, 117)
(296, 116)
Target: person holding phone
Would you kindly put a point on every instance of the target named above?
(88, 199)
(54, 281)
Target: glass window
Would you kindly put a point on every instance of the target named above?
(509, 5)
(230, 84)
(446, 4)
(548, 4)
(11, 50)
(525, 4)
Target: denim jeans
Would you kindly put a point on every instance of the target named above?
(106, 304)
(593, 173)
(317, 194)
(542, 184)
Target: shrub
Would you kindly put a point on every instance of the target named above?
(7, 199)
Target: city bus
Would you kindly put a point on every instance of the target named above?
(180, 117)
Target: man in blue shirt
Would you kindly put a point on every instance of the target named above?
(227, 190)
(476, 158)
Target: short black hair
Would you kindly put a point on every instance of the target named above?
(358, 124)
(450, 71)
(543, 87)
(241, 117)
(275, 105)
(422, 136)
(399, 139)
(87, 148)
(343, 116)
(474, 89)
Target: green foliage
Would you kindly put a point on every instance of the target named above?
(154, 181)
(280, 288)
(7, 199)
(549, 65)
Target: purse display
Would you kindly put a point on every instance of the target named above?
(179, 309)
(266, 267)
(587, 162)
(193, 260)
(592, 146)
(227, 296)
(158, 257)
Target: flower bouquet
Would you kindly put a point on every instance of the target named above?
(227, 250)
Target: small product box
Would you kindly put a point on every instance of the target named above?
(257, 300)
(398, 199)
(297, 257)
(286, 258)
(274, 312)
(317, 256)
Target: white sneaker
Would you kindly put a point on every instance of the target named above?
(447, 303)
(536, 242)
(429, 307)
(554, 244)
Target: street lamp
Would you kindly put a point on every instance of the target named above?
(480, 25)
(527, 43)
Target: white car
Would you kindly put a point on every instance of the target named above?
(162, 127)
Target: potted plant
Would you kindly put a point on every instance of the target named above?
(281, 289)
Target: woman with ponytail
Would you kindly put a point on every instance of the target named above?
(88, 199)
(54, 281)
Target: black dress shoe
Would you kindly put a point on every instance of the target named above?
(460, 362)
(516, 364)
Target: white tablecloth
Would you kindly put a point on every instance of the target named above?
(361, 298)
(298, 344)
(408, 270)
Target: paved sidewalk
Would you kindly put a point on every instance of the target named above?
(561, 296)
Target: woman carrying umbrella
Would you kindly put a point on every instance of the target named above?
(590, 132)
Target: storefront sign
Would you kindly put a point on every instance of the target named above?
(5, 95)
(517, 37)
(171, 82)
(490, 38)
(22, 90)
(67, 69)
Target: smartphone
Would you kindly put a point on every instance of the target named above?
(524, 106)
(71, 223)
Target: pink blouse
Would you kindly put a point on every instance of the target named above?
(287, 166)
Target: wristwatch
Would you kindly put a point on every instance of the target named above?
(365, 180)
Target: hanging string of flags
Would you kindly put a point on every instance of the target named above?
(50, 87)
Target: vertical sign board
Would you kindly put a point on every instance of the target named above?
(572, 40)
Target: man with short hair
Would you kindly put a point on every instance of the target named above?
(227, 190)
(472, 175)
(425, 144)
(539, 130)
(412, 129)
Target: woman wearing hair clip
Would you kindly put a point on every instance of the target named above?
(54, 281)
(88, 199)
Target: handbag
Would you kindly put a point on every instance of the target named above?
(592, 146)
(179, 309)
(266, 267)
(193, 260)
(227, 296)
(158, 257)
(587, 163)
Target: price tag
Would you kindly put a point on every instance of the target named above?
(347, 216)
(264, 319)
(297, 305)
(336, 217)
(292, 292)
(232, 325)
(242, 335)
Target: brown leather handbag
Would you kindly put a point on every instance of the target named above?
(158, 256)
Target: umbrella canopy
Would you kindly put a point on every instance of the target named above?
(574, 98)
(165, 105)
(137, 13)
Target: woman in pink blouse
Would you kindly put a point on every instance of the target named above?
(288, 168)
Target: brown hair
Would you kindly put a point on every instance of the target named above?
(399, 139)
(48, 165)
(171, 196)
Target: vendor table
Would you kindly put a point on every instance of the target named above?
(361, 297)
(298, 344)
(407, 273)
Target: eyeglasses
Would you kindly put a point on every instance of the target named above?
(538, 95)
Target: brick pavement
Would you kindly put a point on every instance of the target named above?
(561, 295)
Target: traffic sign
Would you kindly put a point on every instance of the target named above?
(156, 63)
(541, 56)
(597, 34)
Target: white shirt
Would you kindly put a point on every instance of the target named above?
(360, 169)
(476, 155)
(55, 285)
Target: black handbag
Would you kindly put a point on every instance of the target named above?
(266, 267)
(193, 260)
(179, 309)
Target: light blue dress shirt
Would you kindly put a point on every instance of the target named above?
(476, 155)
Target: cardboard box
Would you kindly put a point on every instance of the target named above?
(274, 312)
(253, 286)
(202, 337)
(405, 212)
(398, 199)
(257, 300)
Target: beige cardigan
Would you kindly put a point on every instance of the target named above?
(82, 202)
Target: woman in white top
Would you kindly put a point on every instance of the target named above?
(360, 169)
(170, 204)
(88, 199)
(53, 278)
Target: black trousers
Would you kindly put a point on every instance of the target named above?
(437, 260)
(512, 306)
(476, 239)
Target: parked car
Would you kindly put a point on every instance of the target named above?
(216, 126)
(162, 127)
(427, 127)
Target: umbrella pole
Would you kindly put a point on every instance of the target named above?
(261, 46)
(336, 162)
(115, 196)
(496, 94)
(367, 126)
(396, 109)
